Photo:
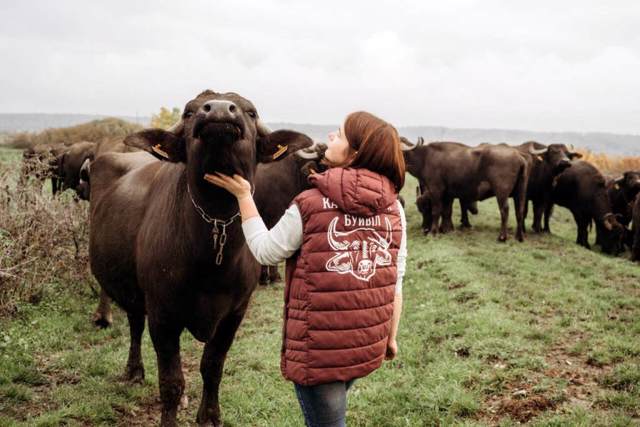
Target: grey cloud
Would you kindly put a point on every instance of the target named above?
(493, 64)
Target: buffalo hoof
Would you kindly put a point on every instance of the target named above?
(205, 418)
(263, 282)
(502, 238)
(465, 225)
(102, 320)
(168, 419)
(446, 229)
(546, 230)
(426, 231)
(275, 278)
(134, 374)
(520, 238)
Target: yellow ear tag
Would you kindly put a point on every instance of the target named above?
(617, 187)
(540, 158)
(157, 149)
(280, 152)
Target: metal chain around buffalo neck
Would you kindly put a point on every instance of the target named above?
(219, 230)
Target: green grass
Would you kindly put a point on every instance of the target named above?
(543, 332)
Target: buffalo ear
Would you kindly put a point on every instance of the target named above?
(279, 144)
(574, 155)
(162, 144)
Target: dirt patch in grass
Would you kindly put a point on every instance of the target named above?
(568, 378)
(524, 409)
(581, 375)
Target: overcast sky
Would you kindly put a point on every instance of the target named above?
(543, 65)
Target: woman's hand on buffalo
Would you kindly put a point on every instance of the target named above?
(236, 185)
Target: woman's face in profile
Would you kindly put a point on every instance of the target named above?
(337, 147)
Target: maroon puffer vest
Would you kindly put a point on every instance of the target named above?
(340, 285)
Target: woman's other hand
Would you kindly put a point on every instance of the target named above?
(392, 350)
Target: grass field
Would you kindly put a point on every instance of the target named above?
(543, 332)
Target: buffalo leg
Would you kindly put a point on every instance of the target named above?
(103, 317)
(54, 185)
(520, 203)
(264, 275)
(135, 368)
(538, 210)
(447, 212)
(166, 342)
(427, 217)
(548, 210)
(274, 274)
(464, 215)
(436, 213)
(503, 206)
(583, 231)
(211, 365)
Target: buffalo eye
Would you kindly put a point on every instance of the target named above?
(187, 114)
(252, 114)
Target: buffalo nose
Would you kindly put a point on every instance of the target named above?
(220, 110)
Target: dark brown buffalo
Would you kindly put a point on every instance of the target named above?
(103, 316)
(74, 167)
(424, 206)
(277, 184)
(635, 212)
(622, 192)
(450, 170)
(581, 189)
(166, 243)
(546, 162)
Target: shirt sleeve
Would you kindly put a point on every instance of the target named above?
(401, 263)
(270, 247)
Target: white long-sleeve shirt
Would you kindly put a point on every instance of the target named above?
(270, 247)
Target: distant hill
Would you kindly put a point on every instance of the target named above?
(602, 142)
(610, 143)
(32, 122)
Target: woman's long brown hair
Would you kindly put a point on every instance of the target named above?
(375, 145)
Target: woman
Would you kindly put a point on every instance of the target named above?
(345, 245)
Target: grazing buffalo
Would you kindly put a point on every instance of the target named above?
(635, 247)
(74, 167)
(581, 189)
(622, 193)
(175, 251)
(546, 162)
(424, 207)
(277, 184)
(450, 170)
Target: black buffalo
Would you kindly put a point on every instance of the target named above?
(581, 189)
(546, 162)
(450, 170)
(622, 192)
(167, 244)
(278, 183)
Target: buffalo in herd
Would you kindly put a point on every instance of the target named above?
(168, 248)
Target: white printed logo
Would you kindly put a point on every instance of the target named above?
(358, 257)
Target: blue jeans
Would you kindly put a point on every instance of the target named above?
(324, 405)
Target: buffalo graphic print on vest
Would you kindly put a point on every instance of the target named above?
(359, 257)
(340, 285)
